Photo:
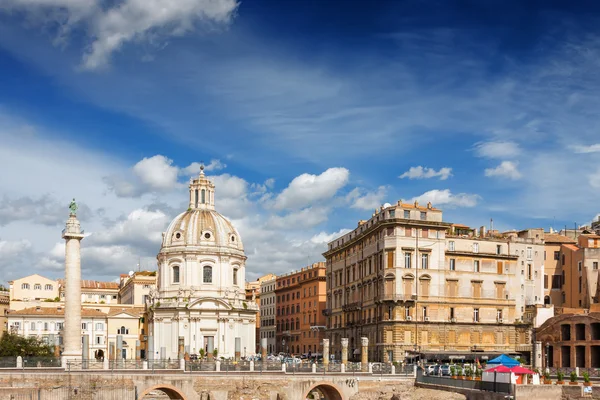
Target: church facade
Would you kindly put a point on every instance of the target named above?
(199, 303)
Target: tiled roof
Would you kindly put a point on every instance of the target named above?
(134, 312)
(88, 284)
(56, 311)
(571, 247)
(556, 238)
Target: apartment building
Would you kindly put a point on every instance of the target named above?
(253, 294)
(4, 307)
(267, 313)
(33, 288)
(135, 288)
(300, 302)
(416, 285)
(94, 292)
(580, 270)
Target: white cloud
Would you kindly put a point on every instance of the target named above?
(363, 200)
(306, 218)
(595, 179)
(593, 148)
(426, 173)
(125, 20)
(194, 168)
(306, 189)
(324, 237)
(497, 149)
(157, 172)
(445, 197)
(506, 169)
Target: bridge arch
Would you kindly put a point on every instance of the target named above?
(330, 391)
(170, 390)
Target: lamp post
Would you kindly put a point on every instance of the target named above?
(547, 351)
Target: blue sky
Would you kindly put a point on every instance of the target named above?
(309, 114)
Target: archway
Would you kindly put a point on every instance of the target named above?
(324, 391)
(162, 392)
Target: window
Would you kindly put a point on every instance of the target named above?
(557, 255)
(579, 266)
(529, 253)
(207, 274)
(499, 315)
(423, 216)
(48, 287)
(498, 249)
(25, 286)
(32, 326)
(406, 214)
(84, 326)
(203, 196)
(424, 261)
(424, 313)
(452, 264)
(122, 331)
(556, 281)
(580, 284)
(529, 271)
(235, 276)
(476, 315)
(37, 286)
(392, 213)
(451, 245)
(406, 311)
(595, 265)
(176, 274)
(452, 313)
(563, 259)
(475, 247)
(99, 326)
(545, 281)
(407, 257)
(476, 265)
(59, 326)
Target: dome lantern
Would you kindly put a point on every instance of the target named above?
(202, 192)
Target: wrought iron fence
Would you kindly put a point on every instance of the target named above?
(8, 362)
(200, 365)
(264, 366)
(42, 362)
(84, 364)
(235, 366)
(498, 387)
(128, 364)
(163, 364)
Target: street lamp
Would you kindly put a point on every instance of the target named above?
(547, 351)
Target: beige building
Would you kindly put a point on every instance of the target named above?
(128, 323)
(137, 287)
(267, 313)
(33, 288)
(412, 283)
(47, 323)
(95, 292)
(253, 294)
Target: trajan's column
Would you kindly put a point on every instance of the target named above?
(72, 333)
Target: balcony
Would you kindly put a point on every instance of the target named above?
(395, 297)
(356, 306)
(326, 312)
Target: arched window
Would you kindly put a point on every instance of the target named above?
(297, 323)
(176, 274)
(203, 196)
(196, 197)
(207, 274)
(48, 287)
(235, 276)
(25, 286)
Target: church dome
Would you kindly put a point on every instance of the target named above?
(201, 226)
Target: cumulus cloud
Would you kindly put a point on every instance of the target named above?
(593, 148)
(306, 218)
(324, 237)
(427, 173)
(506, 169)
(595, 179)
(497, 149)
(111, 25)
(194, 168)
(307, 189)
(446, 198)
(363, 200)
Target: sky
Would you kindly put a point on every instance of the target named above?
(308, 115)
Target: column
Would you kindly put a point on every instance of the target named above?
(238, 348)
(325, 352)
(364, 354)
(263, 349)
(72, 333)
(344, 351)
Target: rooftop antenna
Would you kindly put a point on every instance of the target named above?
(491, 224)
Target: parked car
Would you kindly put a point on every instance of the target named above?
(445, 370)
(429, 369)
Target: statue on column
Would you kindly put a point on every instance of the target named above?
(73, 207)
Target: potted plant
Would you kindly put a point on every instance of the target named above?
(478, 374)
(547, 380)
(469, 373)
(560, 376)
(573, 377)
(586, 379)
(459, 372)
(453, 371)
(202, 354)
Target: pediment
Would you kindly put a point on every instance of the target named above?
(209, 303)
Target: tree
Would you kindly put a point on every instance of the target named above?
(12, 345)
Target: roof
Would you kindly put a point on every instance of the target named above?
(571, 247)
(56, 311)
(88, 284)
(461, 226)
(556, 238)
(416, 206)
(504, 360)
(134, 312)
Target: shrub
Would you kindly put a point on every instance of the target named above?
(560, 375)
(547, 375)
(586, 377)
(573, 376)
(452, 370)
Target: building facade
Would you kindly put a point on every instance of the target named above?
(300, 301)
(416, 285)
(200, 301)
(135, 288)
(267, 313)
(33, 288)
(4, 307)
(253, 294)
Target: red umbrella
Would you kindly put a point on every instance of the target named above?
(521, 370)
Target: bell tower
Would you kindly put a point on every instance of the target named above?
(202, 192)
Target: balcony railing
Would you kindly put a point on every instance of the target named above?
(356, 306)
(396, 297)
